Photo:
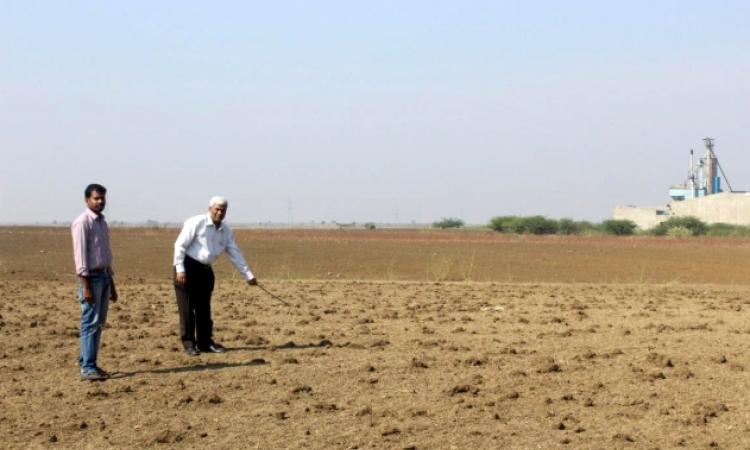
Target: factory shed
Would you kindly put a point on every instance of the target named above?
(644, 216)
(726, 207)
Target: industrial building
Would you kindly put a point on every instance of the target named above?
(701, 196)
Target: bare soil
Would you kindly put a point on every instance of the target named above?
(626, 358)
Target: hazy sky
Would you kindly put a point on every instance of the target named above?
(366, 110)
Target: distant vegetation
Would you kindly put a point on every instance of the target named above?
(619, 227)
(676, 227)
(694, 227)
(725, 229)
(691, 226)
(541, 225)
(448, 222)
(524, 225)
(570, 226)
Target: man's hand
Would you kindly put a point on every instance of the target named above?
(180, 279)
(87, 295)
(252, 282)
(113, 292)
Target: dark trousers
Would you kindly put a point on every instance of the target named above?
(194, 303)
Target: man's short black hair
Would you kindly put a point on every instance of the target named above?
(95, 187)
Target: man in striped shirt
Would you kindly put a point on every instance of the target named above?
(93, 260)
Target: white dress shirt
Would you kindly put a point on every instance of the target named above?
(202, 241)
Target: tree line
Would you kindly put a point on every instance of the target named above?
(540, 225)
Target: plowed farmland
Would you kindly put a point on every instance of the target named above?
(391, 339)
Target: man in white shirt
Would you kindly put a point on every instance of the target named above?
(203, 239)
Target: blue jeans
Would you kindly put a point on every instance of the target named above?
(93, 318)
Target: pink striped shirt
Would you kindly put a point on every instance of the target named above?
(90, 243)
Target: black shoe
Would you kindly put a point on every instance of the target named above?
(190, 349)
(93, 375)
(213, 348)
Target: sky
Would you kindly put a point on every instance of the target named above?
(357, 111)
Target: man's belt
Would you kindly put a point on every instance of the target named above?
(99, 271)
(195, 262)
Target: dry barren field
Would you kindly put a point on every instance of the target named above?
(404, 340)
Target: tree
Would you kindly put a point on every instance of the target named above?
(540, 225)
(619, 227)
(568, 226)
(506, 224)
(448, 222)
(695, 225)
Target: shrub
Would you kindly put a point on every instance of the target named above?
(505, 224)
(722, 229)
(369, 226)
(679, 232)
(539, 225)
(727, 229)
(619, 227)
(695, 225)
(449, 222)
(568, 227)
(587, 227)
(523, 225)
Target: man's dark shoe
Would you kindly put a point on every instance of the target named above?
(93, 375)
(191, 350)
(213, 348)
(103, 373)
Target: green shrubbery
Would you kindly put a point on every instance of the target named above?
(568, 226)
(696, 226)
(679, 232)
(524, 225)
(449, 222)
(677, 227)
(619, 227)
(540, 225)
(692, 226)
(505, 224)
(726, 229)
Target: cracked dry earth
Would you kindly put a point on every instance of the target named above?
(405, 365)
